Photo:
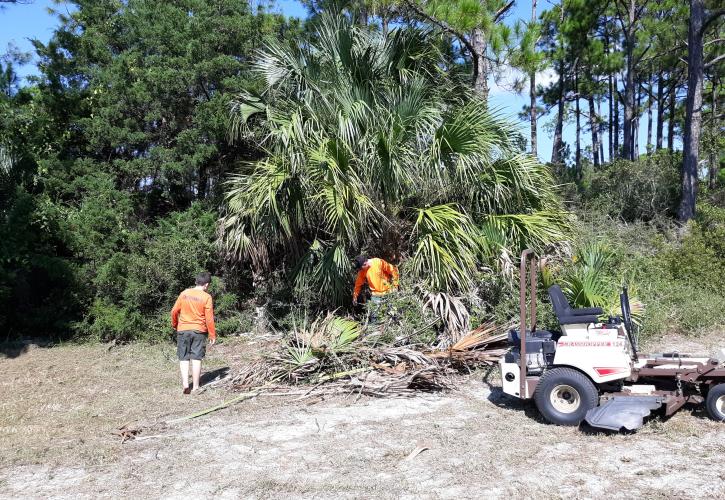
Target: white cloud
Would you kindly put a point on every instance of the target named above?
(508, 80)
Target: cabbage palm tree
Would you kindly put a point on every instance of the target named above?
(367, 138)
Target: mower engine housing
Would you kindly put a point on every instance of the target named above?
(540, 350)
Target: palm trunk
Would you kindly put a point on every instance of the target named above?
(693, 111)
(594, 125)
(660, 111)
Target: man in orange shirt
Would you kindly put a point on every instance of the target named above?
(193, 319)
(381, 277)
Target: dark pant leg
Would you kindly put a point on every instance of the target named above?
(183, 345)
(198, 345)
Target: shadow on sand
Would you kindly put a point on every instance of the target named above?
(15, 348)
(209, 377)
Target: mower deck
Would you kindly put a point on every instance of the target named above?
(623, 412)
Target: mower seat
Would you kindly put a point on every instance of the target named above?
(568, 315)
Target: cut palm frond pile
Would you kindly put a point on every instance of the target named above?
(453, 314)
(484, 345)
(333, 351)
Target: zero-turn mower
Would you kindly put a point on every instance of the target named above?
(591, 370)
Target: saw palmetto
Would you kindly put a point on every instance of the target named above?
(364, 132)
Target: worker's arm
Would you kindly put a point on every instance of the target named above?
(392, 272)
(175, 313)
(359, 282)
(209, 318)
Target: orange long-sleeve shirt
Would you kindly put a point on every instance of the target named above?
(194, 310)
(381, 276)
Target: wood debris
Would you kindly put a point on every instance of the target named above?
(378, 370)
(126, 433)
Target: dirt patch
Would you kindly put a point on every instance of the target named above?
(64, 402)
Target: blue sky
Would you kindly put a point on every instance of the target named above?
(19, 23)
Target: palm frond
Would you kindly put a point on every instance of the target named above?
(445, 248)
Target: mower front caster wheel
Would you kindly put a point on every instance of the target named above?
(564, 396)
(715, 402)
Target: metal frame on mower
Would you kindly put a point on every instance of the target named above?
(591, 370)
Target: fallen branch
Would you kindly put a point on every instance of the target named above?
(415, 453)
(339, 375)
(220, 406)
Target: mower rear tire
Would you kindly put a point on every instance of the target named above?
(564, 396)
(715, 403)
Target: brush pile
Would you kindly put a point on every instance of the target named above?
(338, 352)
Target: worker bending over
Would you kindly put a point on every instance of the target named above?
(381, 278)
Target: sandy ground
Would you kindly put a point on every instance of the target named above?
(477, 442)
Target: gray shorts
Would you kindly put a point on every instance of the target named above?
(190, 344)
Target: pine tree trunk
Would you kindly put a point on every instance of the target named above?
(629, 41)
(671, 119)
(557, 145)
(600, 129)
(480, 64)
(714, 163)
(594, 125)
(610, 144)
(203, 180)
(649, 120)
(532, 111)
(578, 152)
(616, 119)
(532, 94)
(635, 126)
(693, 111)
(362, 14)
(660, 111)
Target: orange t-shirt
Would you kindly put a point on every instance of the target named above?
(193, 310)
(381, 276)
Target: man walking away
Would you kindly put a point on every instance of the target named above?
(193, 319)
(381, 277)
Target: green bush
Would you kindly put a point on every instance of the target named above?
(41, 291)
(677, 275)
(138, 277)
(644, 190)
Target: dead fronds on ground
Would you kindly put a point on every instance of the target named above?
(336, 352)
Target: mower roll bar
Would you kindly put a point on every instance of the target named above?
(527, 256)
(627, 320)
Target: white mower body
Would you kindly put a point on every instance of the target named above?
(592, 371)
(600, 351)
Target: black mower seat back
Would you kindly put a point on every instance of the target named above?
(568, 315)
